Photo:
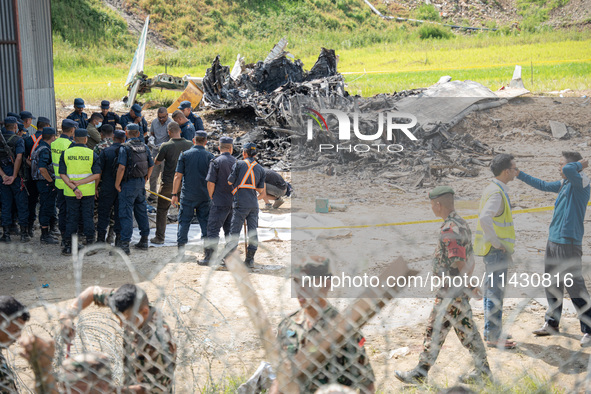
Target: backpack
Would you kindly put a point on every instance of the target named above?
(8, 150)
(137, 159)
(35, 172)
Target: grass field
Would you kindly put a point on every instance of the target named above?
(560, 60)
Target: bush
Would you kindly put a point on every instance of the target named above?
(428, 12)
(431, 31)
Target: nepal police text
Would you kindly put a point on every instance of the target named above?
(85, 158)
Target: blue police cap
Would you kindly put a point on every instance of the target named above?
(81, 133)
(10, 120)
(105, 104)
(79, 103)
(48, 131)
(201, 133)
(226, 140)
(185, 104)
(27, 115)
(133, 126)
(68, 124)
(119, 134)
(250, 147)
(15, 115)
(43, 119)
(136, 109)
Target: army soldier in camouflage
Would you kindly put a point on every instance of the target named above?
(454, 257)
(82, 373)
(348, 365)
(13, 316)
(106, 138)
(149, 350)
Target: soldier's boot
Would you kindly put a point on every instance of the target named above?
(143, 244)
(5, 234)
(67, 249)
(117, 240)
(418, 375)
(25, 234)
(14, 230)
(101, 237)
(207, 258)
(249, 261)
(477, 376)
(111, 235)
(125, 247)
(181, 252)
(30, 231)
(46, 237)
(53, 230)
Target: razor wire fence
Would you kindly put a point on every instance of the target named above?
(240, 331)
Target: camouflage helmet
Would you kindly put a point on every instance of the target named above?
(312, 266)
(335, 388)
(89, 367)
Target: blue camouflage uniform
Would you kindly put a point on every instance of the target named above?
(47, 190)
(132, 199)
(188, 131)
(111, 118)
(220, 212)
(31, 183)
(196, 121)
(81, 119)
(245, 205)
(15, 192)
(193, 164)
(108, 200)
(127, 119)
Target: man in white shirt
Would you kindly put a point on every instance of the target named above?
(158, 130)
(494, 241)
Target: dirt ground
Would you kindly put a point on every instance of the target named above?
(208, 316)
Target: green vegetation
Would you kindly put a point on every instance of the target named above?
(536, 12)
(395, 56)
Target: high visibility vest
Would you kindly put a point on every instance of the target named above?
(79, 166)
(248, 176)
(503, 224)
(57, 147)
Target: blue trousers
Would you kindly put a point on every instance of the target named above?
(219, 217)
(33, 199)
(187, 210)
(108, 202)
(239, 215)
(60, 203)
(80, 208)
(132, 201)
(16, 193)
(47, 195)
(496, 263)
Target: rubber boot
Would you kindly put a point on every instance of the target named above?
(5, 234)
(25, 234)
(249, 261)
(207, 258)
(46, 237)
(143, 244)
(67, 249)
(125, 247)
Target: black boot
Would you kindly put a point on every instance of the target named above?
(249, 261)
(117, 240)
(143, 244)
(53, 230)
(25, 234)
(207, 257)
(125, 248)
(67, 249)
(90, 242)
(6, 234)
(111, 235)
(30, 230)
(418, 375)
(46, 237)
(14, 230)
(101, 237)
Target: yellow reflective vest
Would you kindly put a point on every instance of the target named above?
(57, 147)
(503, 224)
(79, 161)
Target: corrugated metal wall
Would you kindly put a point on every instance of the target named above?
(9, 60)
(36, 58)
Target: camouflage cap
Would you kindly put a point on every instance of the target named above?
(88, 367)
(440, 191)
(335, 388)
(312, 266)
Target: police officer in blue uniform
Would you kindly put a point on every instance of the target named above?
(196, 120)
(27, 119)
(12, 188)
(187, 128)
(220, 192)
(42, 173)
(135, 116)
(108, 201)
(79, 116)
(135, 167)
(191, 171)
(110, 118)
(247, 179)
(81, 185)
(57, 147)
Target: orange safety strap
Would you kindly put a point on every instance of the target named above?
(249, 173)
(36, 140)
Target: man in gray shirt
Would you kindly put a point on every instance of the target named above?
(158, 129)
